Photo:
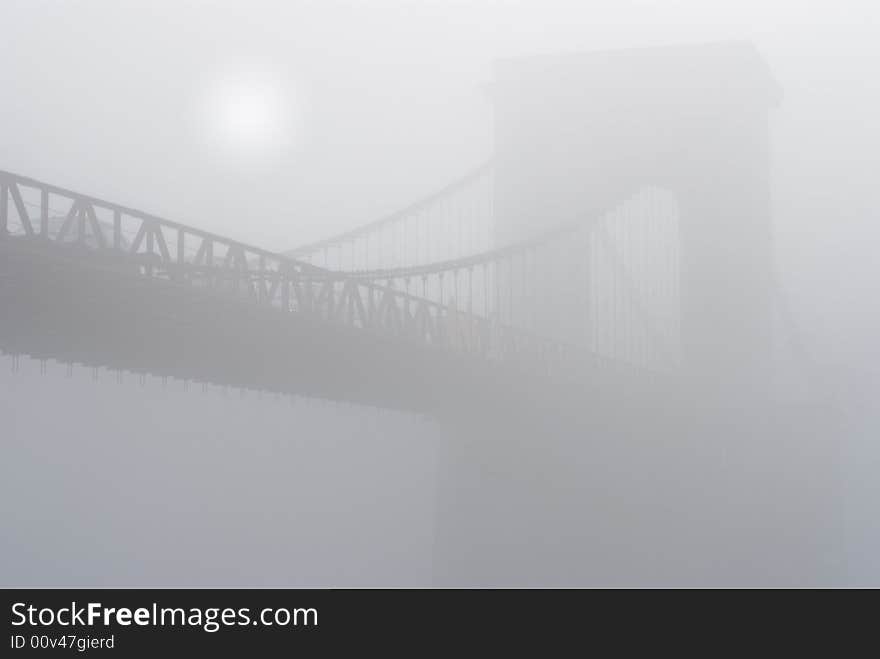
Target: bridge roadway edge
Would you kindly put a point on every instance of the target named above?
(68, 306)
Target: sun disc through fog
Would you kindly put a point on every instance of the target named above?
(249, 116)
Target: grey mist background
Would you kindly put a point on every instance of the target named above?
(280, 124)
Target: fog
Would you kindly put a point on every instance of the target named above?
(720, 194)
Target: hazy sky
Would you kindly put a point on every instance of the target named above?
(279, 123)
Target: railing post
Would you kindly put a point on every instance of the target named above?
(44, 214)
(181, 243)
(209, 261)
(149, 268)
(4, 208)
(81, 225)
(117, 229)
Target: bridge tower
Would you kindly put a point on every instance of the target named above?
(578, 134)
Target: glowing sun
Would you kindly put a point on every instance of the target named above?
(252, 116)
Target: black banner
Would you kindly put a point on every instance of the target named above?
(245, 622)
(124, 623)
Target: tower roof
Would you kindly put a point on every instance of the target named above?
(685, 73)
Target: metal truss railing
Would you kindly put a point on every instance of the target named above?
(120, 237)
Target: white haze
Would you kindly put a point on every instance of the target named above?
(279, 123)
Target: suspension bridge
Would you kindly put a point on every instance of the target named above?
(607, 268)
(643, 265)
(185, 303)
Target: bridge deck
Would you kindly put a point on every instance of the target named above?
(62, 303)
